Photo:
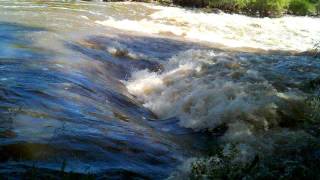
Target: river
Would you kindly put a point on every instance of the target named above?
(130, 89)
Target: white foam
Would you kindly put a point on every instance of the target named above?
(286, 33)
(207, 89)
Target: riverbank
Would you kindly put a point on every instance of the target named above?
(137, 90)
(260, 8)
(255, 8)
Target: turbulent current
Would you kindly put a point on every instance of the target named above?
(132, 89)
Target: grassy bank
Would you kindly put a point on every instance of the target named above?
(262, 8)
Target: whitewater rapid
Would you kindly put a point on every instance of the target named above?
(127, 89)
(207, 89)
(287, 33)
(252, 95)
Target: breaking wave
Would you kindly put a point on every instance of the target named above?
(207, 89)
(253, 98)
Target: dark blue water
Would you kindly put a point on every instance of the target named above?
(63, 104)
(77, 115)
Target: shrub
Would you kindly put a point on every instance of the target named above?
(268, 7)
(262, 8)
(253, 7)
(192, 3)
(230, 5)
(301, 7)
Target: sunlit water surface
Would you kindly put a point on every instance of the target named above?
(125, 89)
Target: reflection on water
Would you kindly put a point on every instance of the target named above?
(79, 113)
(64, 99)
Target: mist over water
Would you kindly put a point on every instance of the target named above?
(127, 89)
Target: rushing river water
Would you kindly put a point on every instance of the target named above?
(125, 89)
